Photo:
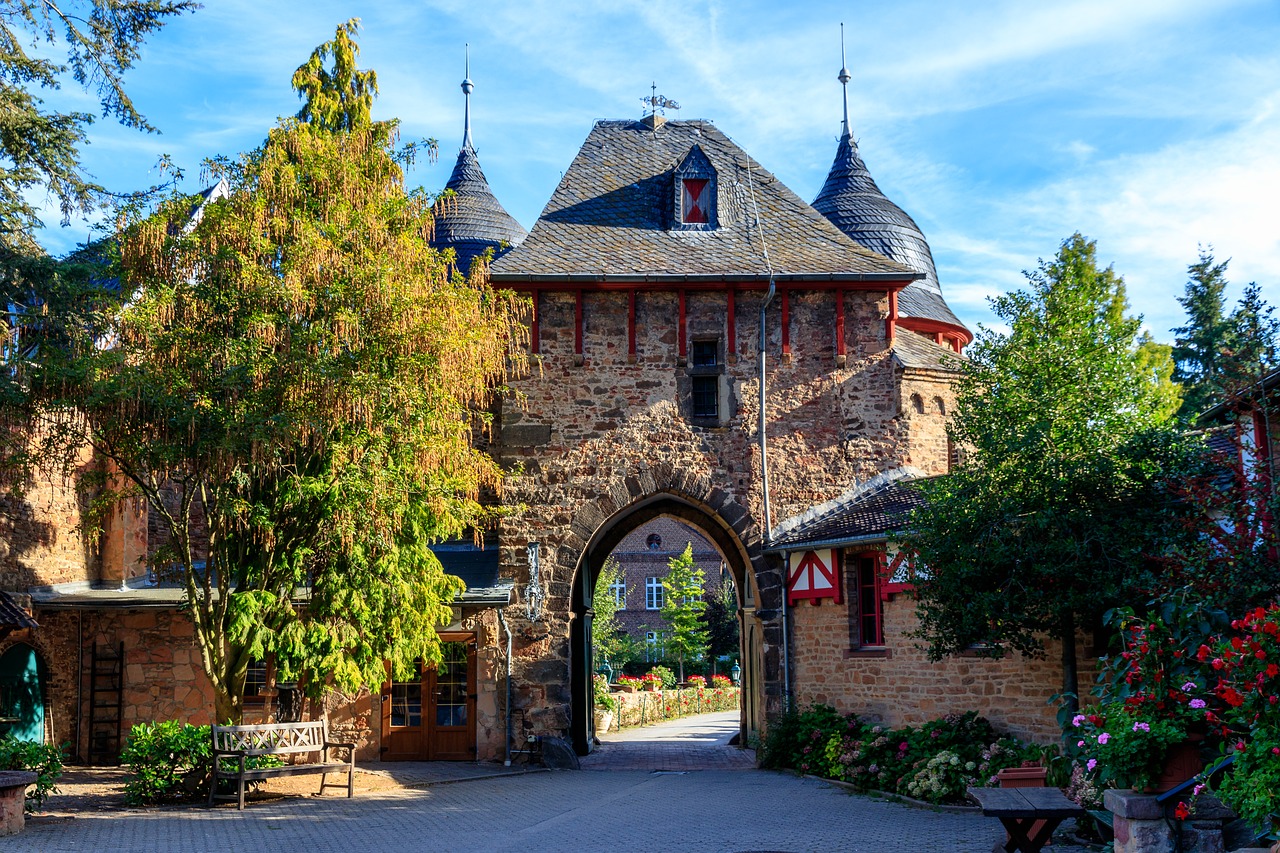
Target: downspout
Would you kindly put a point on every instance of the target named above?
(786, 642)
(502, 621)
(764, 480)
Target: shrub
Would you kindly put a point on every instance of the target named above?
(44, 759)
(721, 681)
(602, 697)
(173, 762)
(665, 676)
(793, 735)
(912, 761)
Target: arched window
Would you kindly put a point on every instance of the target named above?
(917, 404)
(940, 406)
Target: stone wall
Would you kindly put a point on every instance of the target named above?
(594, 439)
(899, 685)
(42, 541)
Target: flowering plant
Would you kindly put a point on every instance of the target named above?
(721, 681)
(632, 681)
(1246, 665)
(1121, 750)
(697, 681)
(652, 680)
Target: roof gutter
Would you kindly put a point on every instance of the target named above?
(880, 279)
(827, 543)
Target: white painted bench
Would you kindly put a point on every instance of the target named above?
(233, 744)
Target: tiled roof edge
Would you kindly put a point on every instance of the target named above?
(855, 493)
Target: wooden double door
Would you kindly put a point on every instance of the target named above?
(433, 718)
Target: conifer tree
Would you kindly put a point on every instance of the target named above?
(1198, 347)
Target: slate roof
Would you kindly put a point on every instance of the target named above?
(473, 221)
(853, 202)
(12, 614)
(866, 512)
(917, 351)
(610, 218)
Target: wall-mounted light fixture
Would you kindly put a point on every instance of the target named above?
(534, 596)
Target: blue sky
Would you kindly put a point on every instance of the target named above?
(1001, 126)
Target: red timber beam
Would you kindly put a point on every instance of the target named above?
(841, 355)
(731, 325)
(891, 322)
(631, 327)
(683, 332)
(577, 327)
(786, 325)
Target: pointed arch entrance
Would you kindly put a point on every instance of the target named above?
(22, 694)
(738, 559)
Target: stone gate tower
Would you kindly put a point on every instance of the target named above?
(663, 260)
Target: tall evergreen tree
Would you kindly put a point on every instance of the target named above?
(1198, 346)
(1251, 341)
(1046, 525)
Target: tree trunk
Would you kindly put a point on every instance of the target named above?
(1070, 671)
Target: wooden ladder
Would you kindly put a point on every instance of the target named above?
(106, 702)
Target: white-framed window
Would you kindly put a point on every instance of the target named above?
(654, 646)
(654, 595)
(619, 590)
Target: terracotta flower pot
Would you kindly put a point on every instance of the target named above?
(1181, 762)
(1022, 777)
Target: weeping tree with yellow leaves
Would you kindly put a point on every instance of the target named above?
(288, 366)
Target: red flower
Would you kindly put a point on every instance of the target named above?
(1182, 812)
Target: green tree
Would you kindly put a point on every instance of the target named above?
(720, 621)
(1199, 345)
(682, 608)
(609, 643)
(1048, 523)
(1251, 342)
(294, 368)
(337, 98)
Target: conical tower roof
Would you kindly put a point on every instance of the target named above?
(473, 221)
(851, 200)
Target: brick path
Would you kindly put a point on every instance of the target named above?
(690, 743)
(708, 812)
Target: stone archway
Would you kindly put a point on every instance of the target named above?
(22, 694)
(601, 524)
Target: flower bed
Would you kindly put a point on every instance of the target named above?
(648, 707)
(934, 762)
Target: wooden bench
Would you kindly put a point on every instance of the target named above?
(234, 744)
(1030, 815)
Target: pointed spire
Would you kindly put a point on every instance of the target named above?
(844, 83)
(467, 86)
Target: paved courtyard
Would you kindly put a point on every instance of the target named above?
(558, 811)
(692, 743)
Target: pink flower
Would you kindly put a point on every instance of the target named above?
(1078, 720)
(1197, 703)
(1188, 687)
(1102, 739)
(1141, 727)
(1091, 763)
(1081, 743)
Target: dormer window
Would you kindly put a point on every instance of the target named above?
(693, 209)
(695, 193)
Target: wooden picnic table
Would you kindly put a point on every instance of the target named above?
(1030, 815)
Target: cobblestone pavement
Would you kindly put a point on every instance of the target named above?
(691, 743)
(711, 811)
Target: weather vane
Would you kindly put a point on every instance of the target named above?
(655, 102)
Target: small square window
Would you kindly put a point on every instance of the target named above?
(706, 353)
(706, 396)
(619, 591)
(255, 681)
